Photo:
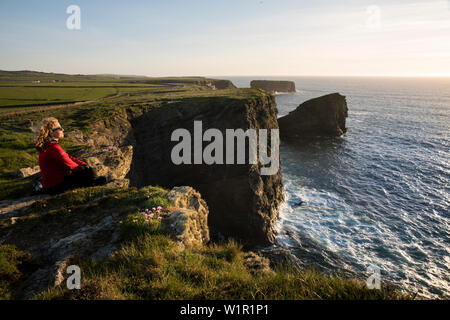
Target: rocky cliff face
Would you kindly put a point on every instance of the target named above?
(273, 86)
(243, 203)
(189, 217)
(221, 84)
(323, 116)
(134, 148)
(216, 84)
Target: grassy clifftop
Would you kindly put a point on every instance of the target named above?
(135, 95)
(147, 261)
(149, 264)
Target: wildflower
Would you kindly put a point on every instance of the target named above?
(153, 209)
(172, 225)
(159, 208)
(151, 215)
(146, 210)
(160, 218)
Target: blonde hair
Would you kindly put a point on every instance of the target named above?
(44, 129)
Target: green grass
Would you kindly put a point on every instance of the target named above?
(11, 260)
(16, 151)
(22, 96)
(49, 218)
(153, 267)
(150, 264)
(15, 96)
(61, 216)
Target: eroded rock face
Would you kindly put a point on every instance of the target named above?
(190, 216)
(26, 172)
(243, 204)
(215, 84)
(109, 150)
(113, 132)
(273, 85)
(323, 116)
(220, 84)
(111, 162)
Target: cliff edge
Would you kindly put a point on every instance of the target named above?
(243, 203)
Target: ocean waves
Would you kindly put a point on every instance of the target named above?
(380, 194)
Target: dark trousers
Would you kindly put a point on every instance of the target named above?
(78, 179)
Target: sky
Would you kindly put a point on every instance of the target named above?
(228, 37)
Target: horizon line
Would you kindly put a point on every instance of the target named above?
(248, 75)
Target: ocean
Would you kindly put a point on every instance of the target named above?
(380, 195)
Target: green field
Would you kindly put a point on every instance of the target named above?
(22, 96)
(20, 89)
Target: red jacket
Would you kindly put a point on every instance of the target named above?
(55, 164)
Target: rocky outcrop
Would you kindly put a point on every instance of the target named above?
(323, 116)
(111, 162)
(109, 148)
(88, 232)
(14, 208)
(113, 131)
(273, 85)
(218, 84)
(50, 247)
(189, 220)
(26, 172)
(243, 203)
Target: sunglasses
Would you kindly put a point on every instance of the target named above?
(59, 128)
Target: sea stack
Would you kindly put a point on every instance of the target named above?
(273, 85)
(322, 116)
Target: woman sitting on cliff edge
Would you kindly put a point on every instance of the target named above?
(59, 170)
